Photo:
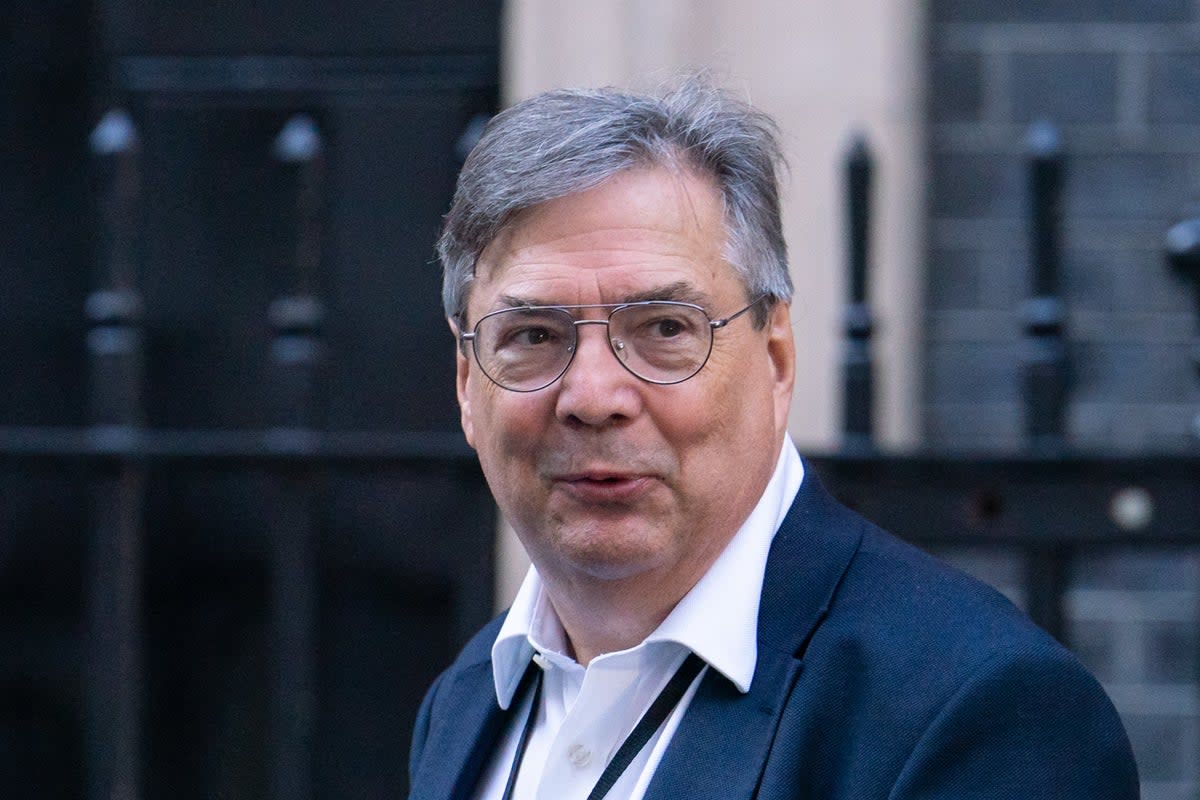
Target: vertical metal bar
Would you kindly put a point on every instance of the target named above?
(1045, 372)
(857, 377)
(296, 357)
(114, 702)
(299, 144)
(115, 350)
(294, 610)
(1183, 254)
(1047, 571)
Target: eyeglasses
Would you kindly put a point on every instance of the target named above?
(528, 348)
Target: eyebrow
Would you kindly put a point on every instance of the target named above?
(680, 291)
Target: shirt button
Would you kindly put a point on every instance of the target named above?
(578, 755)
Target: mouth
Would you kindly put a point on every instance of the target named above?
(602, 486)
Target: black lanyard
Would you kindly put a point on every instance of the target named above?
(650, 722)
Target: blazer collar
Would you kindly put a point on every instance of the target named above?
(814, 547)
(720, 748)
(468, 729)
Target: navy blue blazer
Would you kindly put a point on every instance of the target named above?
(882, 673)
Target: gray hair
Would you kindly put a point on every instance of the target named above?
(567, 141)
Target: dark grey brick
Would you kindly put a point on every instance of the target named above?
(1158, 745)
(973, 372)
(1175, 428)
(1172, 294)
(1134, 569)
(1174, 371)
(1170, 651)
(957, 279)
(976, 185)
(994, 427)
(1129, 373)
(1093, 642)
(1062, 11)
(1001, 569)
(1064, 88)
(1174, 78)
(1130, 433)
(1130, 322)
(956, 82)
(981, 278)
(1001, 325)
(1106, 372)
(1090, 424)
(1087, 279)
(1154, 430)
(1006, 276)
(1133, 428)
(1128, 186)
(1130, 279)
(1130, 326)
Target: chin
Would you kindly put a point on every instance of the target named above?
(603, 552)
(611, 569)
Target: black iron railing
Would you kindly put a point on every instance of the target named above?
(117, 452)
(1049, 504)
(1053, 501)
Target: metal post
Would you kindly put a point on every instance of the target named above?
(1183, 254)
(299, 144)
(1045, 347)
(296, 358)
(857, 375)
(1046, 567)
(1047, 572)
(115, 349)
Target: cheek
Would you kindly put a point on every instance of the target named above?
(507, 425)
(698, 428)
(733, 411)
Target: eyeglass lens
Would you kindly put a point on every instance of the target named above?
(528, 348)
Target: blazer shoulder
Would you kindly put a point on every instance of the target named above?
(479, 647)
(475, 654)
(967, 690)
(903, 600)
(889, 596)
(901, 619)
(1034, 722)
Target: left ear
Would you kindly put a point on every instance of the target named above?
(781, 351)
(462, 369)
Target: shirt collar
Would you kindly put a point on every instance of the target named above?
(717, 619)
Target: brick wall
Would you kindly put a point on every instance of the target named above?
(1122, 80)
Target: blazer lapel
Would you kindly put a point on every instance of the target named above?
(721, 746)
(458, 747)
(719, 749)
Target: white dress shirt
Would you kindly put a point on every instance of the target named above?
(586, 713)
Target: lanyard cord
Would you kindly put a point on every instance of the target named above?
(650, 722)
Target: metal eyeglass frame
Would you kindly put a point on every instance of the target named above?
(713, 324)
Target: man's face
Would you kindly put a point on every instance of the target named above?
(602, 475)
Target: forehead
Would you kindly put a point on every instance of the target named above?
(640, 229)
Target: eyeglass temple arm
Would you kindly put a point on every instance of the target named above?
(721, 323)
(462, 336)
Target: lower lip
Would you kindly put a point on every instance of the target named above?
(623, 490)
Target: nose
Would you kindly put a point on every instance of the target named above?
(596, 390)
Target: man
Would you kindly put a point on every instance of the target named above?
(616, 276)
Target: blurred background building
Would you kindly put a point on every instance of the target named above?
(216, 239)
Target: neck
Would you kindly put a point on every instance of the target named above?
(607, 618)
